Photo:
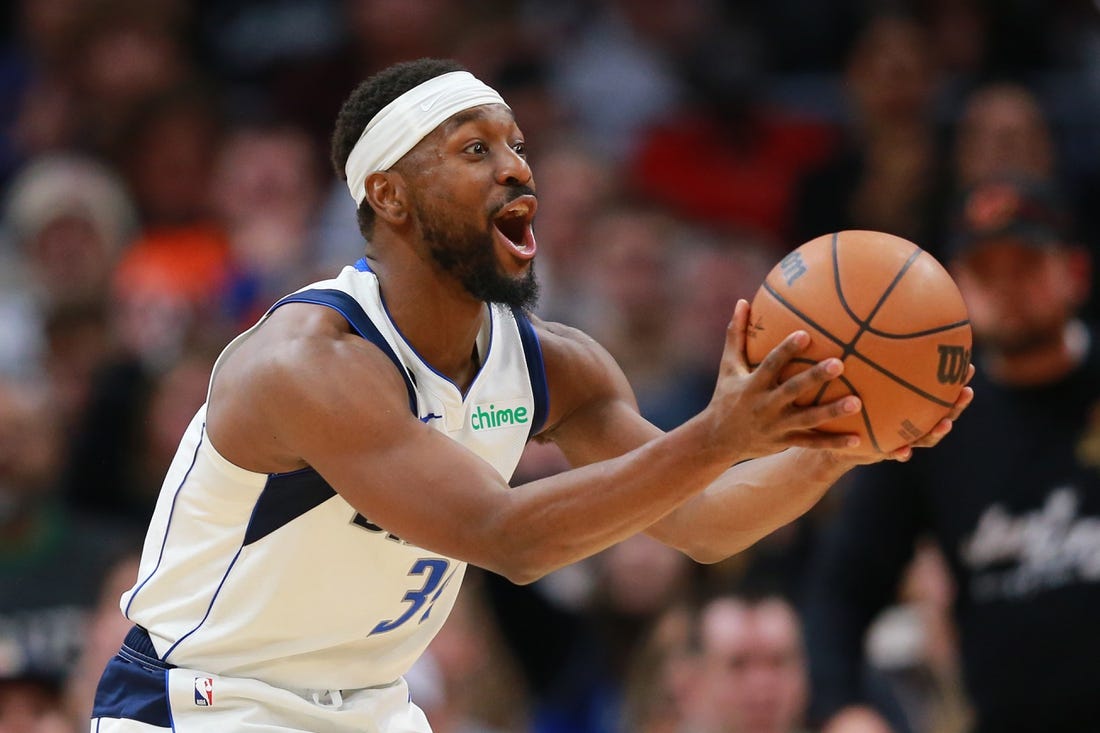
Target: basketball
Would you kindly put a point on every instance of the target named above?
(889, 311)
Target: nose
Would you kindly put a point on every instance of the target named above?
(513, 169)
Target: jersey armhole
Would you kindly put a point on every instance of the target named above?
(536, 370)
(357, 318)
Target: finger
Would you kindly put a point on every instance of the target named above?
(966, 396)
(786, 350)
(810, 381)
(810, 417)
(842, 442)
(734, 360)
(901, 455)
(969, 373)
(935, 435)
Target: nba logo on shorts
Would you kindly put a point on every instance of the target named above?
(204, 691)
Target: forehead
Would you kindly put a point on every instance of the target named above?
(494, 115)
(739, 629)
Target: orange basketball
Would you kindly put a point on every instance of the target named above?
(889, 311)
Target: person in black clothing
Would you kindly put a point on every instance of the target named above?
(1012, 497)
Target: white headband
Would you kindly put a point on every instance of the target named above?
(405, 121)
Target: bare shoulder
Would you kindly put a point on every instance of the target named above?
(298, 376)
(579, 371)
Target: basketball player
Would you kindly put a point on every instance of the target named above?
(354, 450)
(1012, 499)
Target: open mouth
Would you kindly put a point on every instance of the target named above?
(513, 227)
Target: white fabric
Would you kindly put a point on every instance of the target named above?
(405, 121)
(250, 706)
(296, 608)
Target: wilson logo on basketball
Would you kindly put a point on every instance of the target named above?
(792, 267)
(954, 361)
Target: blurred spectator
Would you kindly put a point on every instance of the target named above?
(631, 251)
(265, 191)
(1002, 129)
(51, 560)
(105, 631)
(68, 217)
(975, 39)
(125, 52)
(306, 86)
(661, 676)
(888, 175)
(39, 112)
(711, 274)
(249, 44)
(1011, 498)
(78, 348)
(124, 444)
(616, 70)
(577, 656)
(66, 220)
(750, 672)
(31, 704)
(727, 157)
(914, 644)
(176, 275)
(467, 681)
(574, 186)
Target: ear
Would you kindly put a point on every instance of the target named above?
(386, 195)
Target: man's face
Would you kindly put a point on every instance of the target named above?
(754, 676)
(1019, 296)
(473, 201)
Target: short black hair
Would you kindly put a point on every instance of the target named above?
(367, 100)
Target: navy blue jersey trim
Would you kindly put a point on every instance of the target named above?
(347, 306)
(536, 370)
(284, 498)
(134, 687)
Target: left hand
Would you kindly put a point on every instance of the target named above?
(928, 440)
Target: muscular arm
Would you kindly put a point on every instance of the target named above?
(744, 503)
(304, 391)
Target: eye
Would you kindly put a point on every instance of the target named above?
(521, 149)
(477, 148)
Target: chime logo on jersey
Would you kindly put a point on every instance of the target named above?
(492, 416)
(204, 691)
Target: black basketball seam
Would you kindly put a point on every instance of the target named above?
(918, 334)
(864, 325)
(911, 387)
(870, 430)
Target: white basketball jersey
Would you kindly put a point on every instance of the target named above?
(275, 576)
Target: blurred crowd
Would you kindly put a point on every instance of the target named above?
(164, 178)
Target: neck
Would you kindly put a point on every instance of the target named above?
(434, 313)
(1043, 365)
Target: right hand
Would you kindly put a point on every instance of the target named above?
(756, 414)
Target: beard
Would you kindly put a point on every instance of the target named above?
(467, 253)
